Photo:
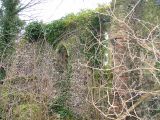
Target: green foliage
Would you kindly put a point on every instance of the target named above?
(70, 21)
(88, 25)
(59, 105)
(92, 34)
(34, 31)
(10, 25)
(54, 31)
(64, 112)
(25, 106)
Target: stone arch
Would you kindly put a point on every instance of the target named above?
(2, 74)
(62, 57)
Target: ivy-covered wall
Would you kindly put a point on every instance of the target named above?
(60, 63)
(54, 56)
(89, 26)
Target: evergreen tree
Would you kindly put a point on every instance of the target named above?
(9, 25)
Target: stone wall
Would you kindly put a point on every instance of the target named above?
(39, 64)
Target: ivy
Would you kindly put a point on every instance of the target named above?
(34, 31)
(88, 25)
(10, 25)
(59, 106)
(54, 31)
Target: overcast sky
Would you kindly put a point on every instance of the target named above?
(50, 10)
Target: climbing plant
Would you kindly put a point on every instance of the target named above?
(10, 24)
(59, 105)
(88, 25)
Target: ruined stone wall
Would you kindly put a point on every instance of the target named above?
(40, 64)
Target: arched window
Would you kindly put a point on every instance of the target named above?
(2, 74)
(62, 58)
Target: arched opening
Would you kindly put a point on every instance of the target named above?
(62, 57)
(2, 74)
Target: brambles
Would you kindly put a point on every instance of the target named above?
(97, 69)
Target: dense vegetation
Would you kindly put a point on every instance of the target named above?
(89, 25)
(97, 64)
(9, 26)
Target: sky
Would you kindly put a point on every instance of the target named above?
(49, 10)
